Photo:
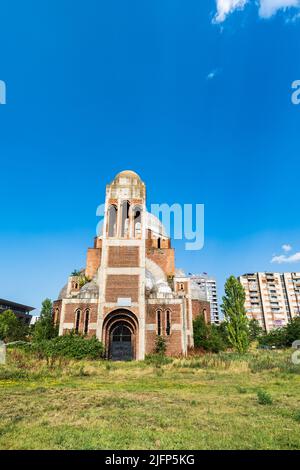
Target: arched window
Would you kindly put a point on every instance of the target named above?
(86, 322)
(181, 286)
(158, 320)
(168, 322)
(137, 220)
(77, 320)
(125, 219)
(112, 221)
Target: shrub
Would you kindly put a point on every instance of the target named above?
(264, 398)
(297, 416)
(208, 337)
(282, 337)
(70, 346)
(292, 331)
(276, 338)
(160, 345)
(254, 329)
(158, 359)
(263, 362)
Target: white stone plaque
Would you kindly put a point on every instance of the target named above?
(124, 302)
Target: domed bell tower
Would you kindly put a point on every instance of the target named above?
(121, 311)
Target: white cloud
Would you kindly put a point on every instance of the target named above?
(286, 247)
(267, 8)
(225, 7)
(295, 258)
(212, 74)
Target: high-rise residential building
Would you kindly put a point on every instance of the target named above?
(208, 287)
(272, 298)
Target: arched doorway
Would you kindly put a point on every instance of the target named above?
(120, 335)
(121, 347)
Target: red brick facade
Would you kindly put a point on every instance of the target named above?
(131, 292)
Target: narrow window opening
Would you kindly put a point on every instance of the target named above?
(77, 322)
(159, 323)
(158, 243)
(168, 323)
(86, 322)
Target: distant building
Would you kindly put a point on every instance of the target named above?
(208, 287)
(272, 298)
(21, 311)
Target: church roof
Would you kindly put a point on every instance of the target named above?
(129, 173)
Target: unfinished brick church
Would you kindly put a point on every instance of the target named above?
(130, 291)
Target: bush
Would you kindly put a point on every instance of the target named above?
(292, 331)
(208, 337)
(264, 362)
(70, 346)
(255, 330)
(276, 338)
(160, 345)
(158, 360)
(282, 337)
(264, 398)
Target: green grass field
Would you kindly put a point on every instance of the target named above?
(210, 402)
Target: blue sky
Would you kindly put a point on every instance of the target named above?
(196, 100)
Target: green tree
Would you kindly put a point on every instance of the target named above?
(292, 331)
(235, 315)
(255, 330)
(200, 331)
(282, 337)
(11, 328)
(44, 327)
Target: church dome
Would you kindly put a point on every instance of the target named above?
(63, 292)
(127, 174)
(163, 287)
(89, 291)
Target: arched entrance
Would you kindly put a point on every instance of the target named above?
(120, 335)
(121, 347)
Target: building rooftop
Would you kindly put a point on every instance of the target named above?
(15, 305)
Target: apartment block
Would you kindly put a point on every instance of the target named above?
(208, 287)
(272, 298)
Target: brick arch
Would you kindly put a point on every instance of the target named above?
(112, 320)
